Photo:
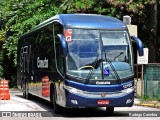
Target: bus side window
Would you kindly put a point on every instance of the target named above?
(58, 29)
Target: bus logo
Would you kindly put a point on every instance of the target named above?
(103, 83)
(103, 94)
(68, 35)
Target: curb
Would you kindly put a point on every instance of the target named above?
(148, 105)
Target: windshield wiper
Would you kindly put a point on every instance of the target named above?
(92, 70)
(114, 70)
(118, 55)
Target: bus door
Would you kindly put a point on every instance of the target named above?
(60, 64)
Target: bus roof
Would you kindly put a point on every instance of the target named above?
(86, 21)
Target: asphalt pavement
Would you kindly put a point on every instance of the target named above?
(37, 108)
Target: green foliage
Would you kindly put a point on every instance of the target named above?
(2, 39)
(20, 16)
(1, 67)
(144, 98)
(1, 70)
(116, 8)
(16, 18)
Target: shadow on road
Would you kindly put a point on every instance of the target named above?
(90, 112)
(66, 112)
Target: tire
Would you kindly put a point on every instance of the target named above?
(26, 93)
(110, 110)
(24, 89)
(56, 107)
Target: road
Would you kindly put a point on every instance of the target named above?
(41, 108)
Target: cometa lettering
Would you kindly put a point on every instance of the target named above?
(102, 83)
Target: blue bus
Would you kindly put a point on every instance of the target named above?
(78, 61)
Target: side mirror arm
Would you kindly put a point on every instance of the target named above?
(139, 45)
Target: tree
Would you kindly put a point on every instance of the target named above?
(18, 17)
(158, 29)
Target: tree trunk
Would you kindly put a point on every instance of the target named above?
(152, 32)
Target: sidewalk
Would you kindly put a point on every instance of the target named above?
(155, 104)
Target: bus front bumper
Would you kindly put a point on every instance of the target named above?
(77, 101)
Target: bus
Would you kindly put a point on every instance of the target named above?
(78, 61)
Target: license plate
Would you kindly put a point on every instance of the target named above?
(103, 102)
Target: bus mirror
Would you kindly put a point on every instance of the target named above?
(63, 45)
(139, 45)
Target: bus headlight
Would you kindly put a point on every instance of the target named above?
(128, 90)
(73, 90)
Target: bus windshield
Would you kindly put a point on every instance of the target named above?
(91, 51)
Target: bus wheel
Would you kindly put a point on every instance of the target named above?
(109, 110)
(56, 107)
(24, 89)
(26, 94)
